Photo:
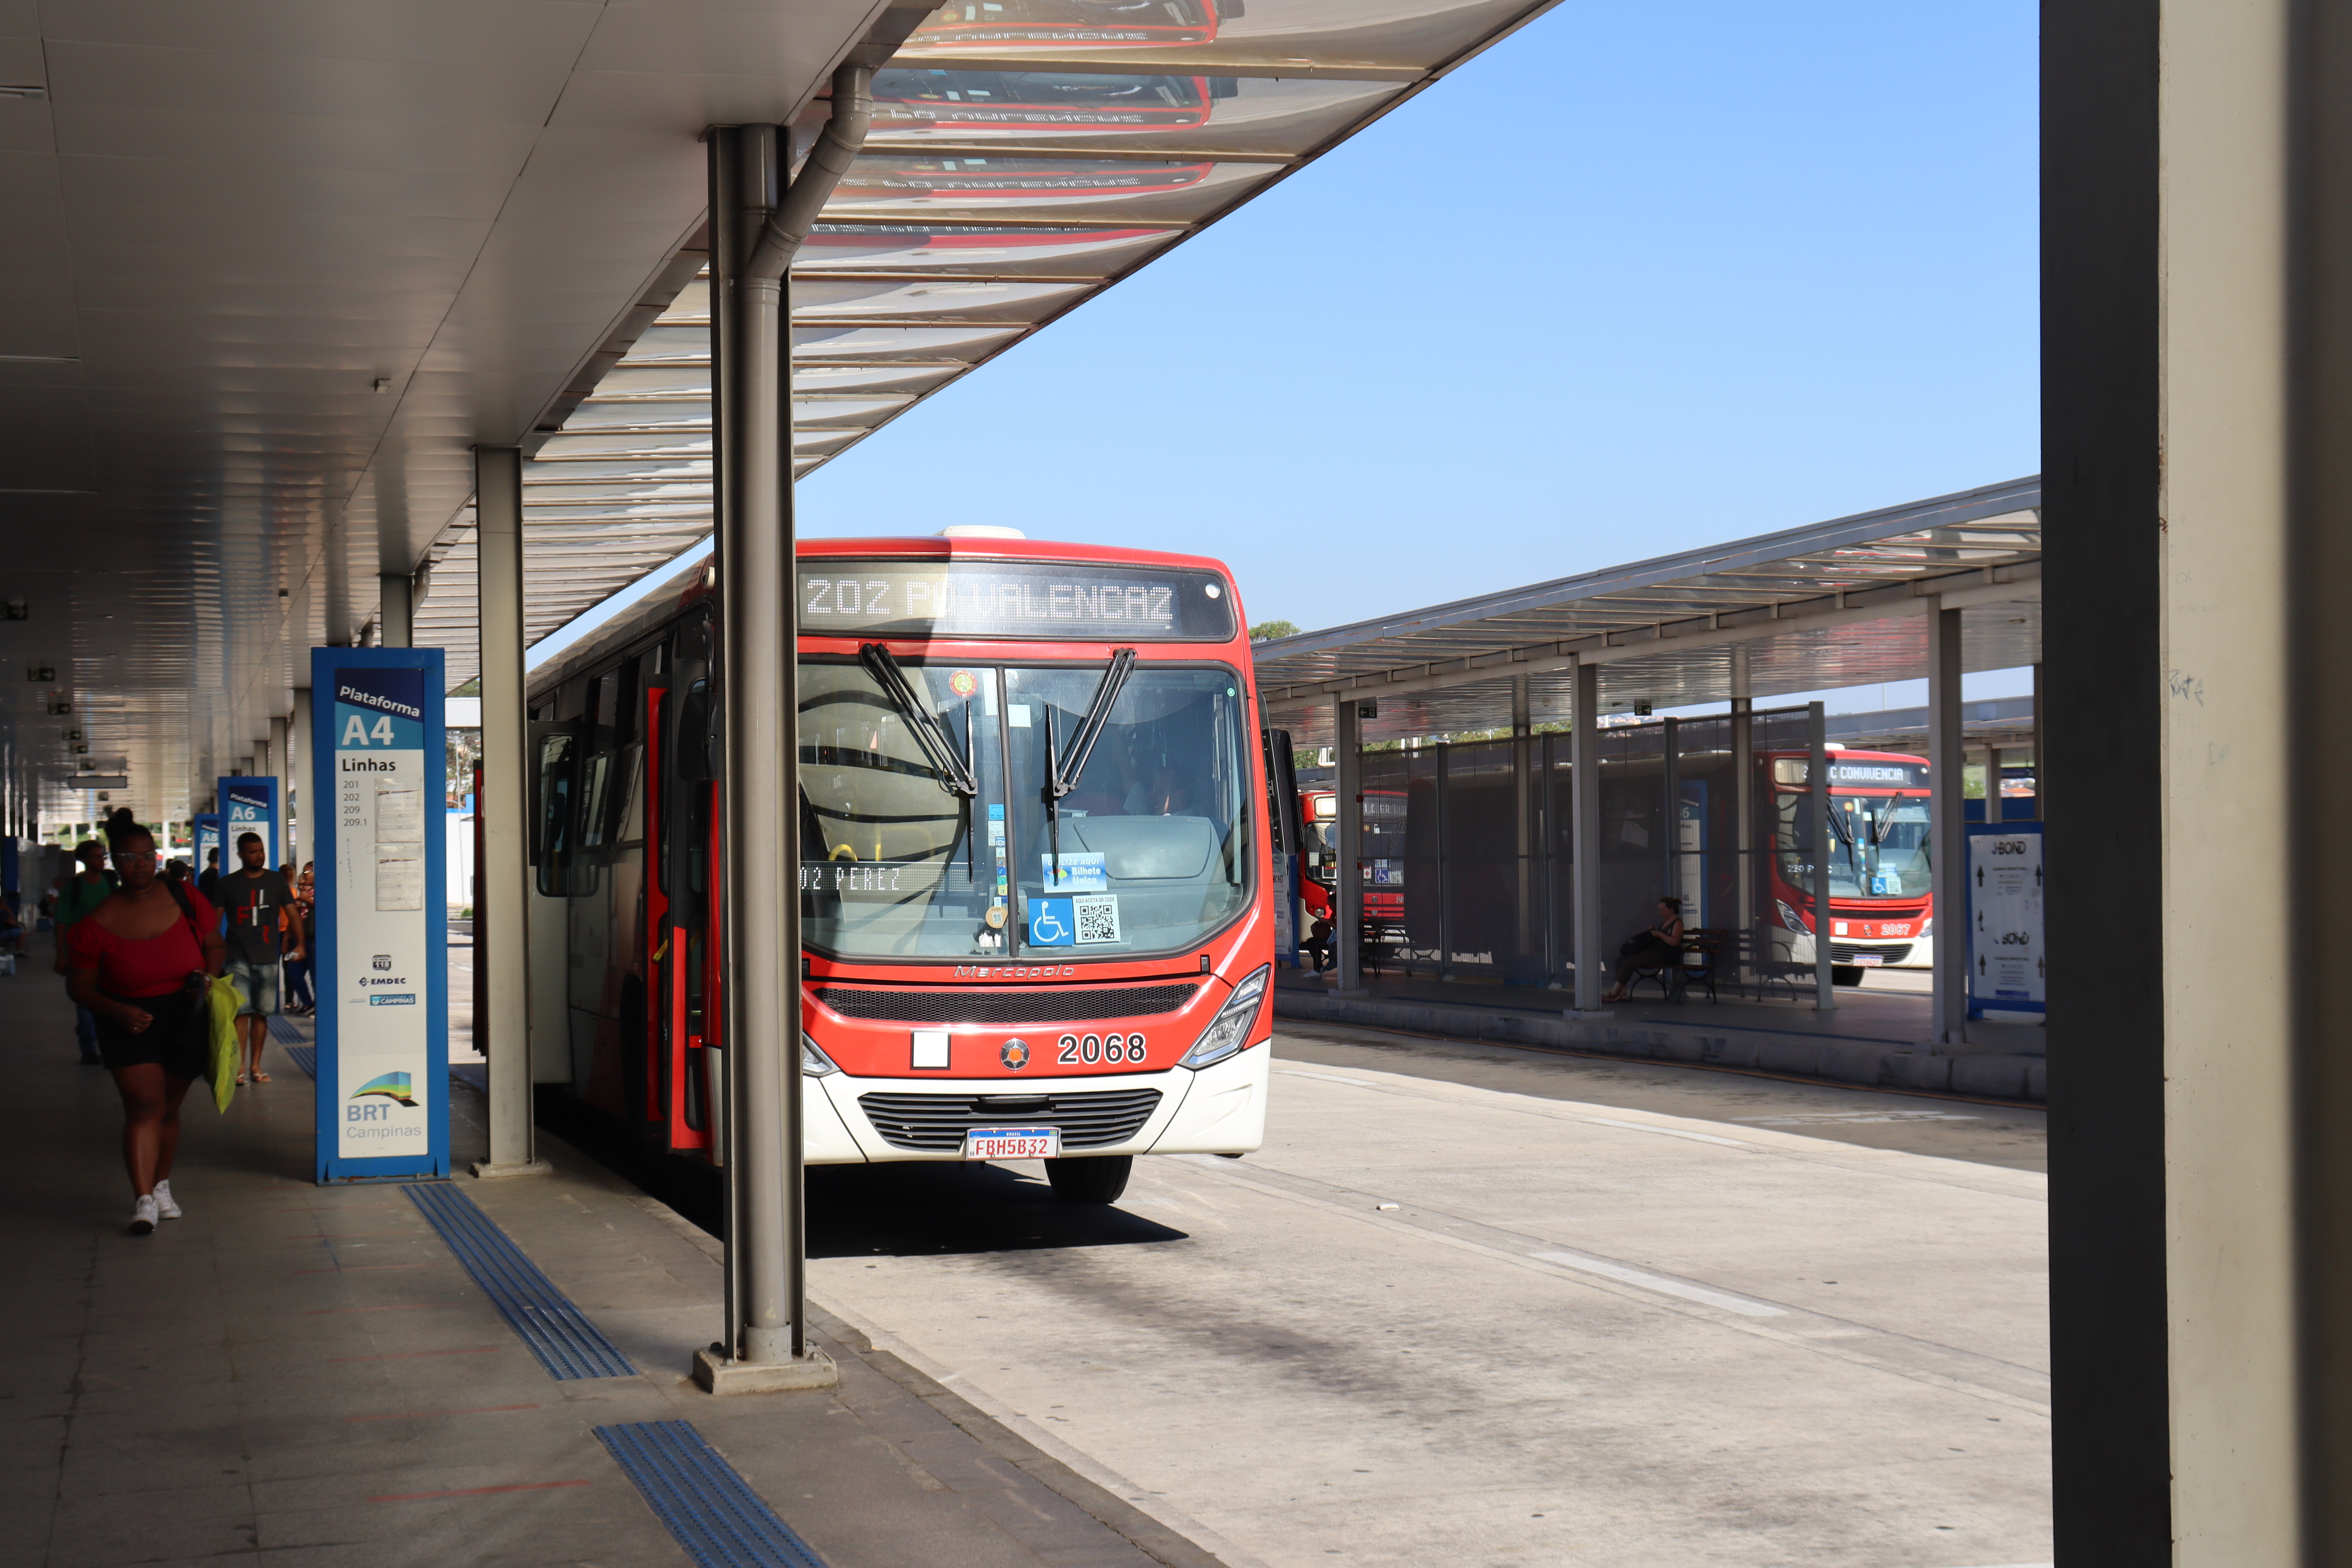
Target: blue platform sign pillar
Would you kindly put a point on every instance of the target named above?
(383, 924)
(247, 805)
(205, 837)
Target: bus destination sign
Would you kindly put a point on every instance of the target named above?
(1040, 601)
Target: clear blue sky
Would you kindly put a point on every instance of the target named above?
(1640, 279)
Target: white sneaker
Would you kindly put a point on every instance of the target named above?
(164, 1207)
(142, 1217)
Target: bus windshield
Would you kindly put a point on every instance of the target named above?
(1149, 851)
(1879, 844)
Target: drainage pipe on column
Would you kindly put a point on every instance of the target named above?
(758, 689)
(1817, 811)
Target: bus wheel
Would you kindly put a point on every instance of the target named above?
(1089, 1179)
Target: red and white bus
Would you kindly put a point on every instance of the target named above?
(1036, 914)
(1382, 874)
(1881, 910)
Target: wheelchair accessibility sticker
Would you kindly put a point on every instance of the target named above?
(1073, 921)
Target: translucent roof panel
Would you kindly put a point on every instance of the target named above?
(1224, 116)
(1117, 191)
(1023, 156)
(955, 249)
(1406, 37)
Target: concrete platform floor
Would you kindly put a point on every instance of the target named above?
(1481, 1306)
(305, 1378)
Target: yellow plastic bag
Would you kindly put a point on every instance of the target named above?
(222, 1002)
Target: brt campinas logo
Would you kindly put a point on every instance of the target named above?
(393, 1086)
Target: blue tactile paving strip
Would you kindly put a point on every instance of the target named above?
(558, 1333)
(307, 1058)
(713, 1512)
(286, 1032)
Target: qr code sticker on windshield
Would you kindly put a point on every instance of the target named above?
(1097, 918)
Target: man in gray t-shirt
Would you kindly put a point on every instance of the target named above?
(256, 904)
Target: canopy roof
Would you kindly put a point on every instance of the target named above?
(267, 275)
(1024, 157)
(1832, 603)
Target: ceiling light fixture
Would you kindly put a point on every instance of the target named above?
(23, 89)
(41, 359)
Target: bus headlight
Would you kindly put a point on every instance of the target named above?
(814, 1063)
(1927, 928)
(1229, 1031)
(1790, 918)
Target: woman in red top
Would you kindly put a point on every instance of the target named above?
(141, 961)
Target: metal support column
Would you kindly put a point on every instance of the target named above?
(1743, 810)
(1992, 783)
(1445, 870)
(763, 967)
(2041, 765)
(1584, 835)
(1947, 839)
(1670, 816)
(282, 769)
(1523, 807)
(501, 934)
(1347, 895)
(395, 619)
(1817, 819)
(766, 1346)
(298, 772)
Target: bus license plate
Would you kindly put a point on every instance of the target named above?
(1012, 1143)
(1870, 960)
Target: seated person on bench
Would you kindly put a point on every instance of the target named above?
(1660, 947)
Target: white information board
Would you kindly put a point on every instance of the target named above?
(383, 1045)
(2009, 968)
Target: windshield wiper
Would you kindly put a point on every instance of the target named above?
(955, 774)
(1063, 769)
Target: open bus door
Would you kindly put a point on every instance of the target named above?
(1284, 823)
(682, 895)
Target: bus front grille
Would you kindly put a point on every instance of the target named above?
(947, 1005)
(1843, 951)
(935, 1123)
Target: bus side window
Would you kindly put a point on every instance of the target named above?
(554, 786)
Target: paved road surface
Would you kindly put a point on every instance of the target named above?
(1620, 1315)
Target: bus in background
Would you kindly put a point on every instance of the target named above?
(1035, 887)
(1382, 874)
(1881, 909)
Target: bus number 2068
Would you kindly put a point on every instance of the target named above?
(1092, 1048)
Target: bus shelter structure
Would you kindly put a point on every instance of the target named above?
(1510, 869)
